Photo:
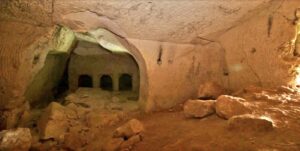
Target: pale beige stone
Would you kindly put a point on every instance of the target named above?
(198, 108)
(15, 139)
(228, 106)
(248, 122)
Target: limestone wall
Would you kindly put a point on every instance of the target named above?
(42, 87)
(235, 43)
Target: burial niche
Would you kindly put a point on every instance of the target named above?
(106, 83)
(85, 81)
(125, 82)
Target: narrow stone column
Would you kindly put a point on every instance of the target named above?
(96, 81)
(115, 78)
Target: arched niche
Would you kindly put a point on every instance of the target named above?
(85, 81)
(117, 44)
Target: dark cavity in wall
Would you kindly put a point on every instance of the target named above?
(106, 83)
(270, 24)
(85, 81)
(125, 82)
(159, 61)
(253, 50)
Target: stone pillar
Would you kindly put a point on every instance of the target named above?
(115, 78)
(96, 81)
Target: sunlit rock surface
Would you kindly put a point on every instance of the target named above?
(15, 139)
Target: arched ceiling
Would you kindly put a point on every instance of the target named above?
(179, 21)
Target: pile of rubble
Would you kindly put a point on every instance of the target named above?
(125, 137)
(77, 124)
(240, 113)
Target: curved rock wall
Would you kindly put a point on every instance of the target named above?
(235, 43)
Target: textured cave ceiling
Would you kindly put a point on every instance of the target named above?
(168, 20)
(180, 21)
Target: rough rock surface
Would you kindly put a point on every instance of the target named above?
(210, 90)
(248, 122)
(54, 121)
(228, 106)
(128, 144)
(114, 144)
(131, 128)
(182, 40)
(198, 108)
(15, 140)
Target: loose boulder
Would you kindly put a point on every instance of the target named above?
(198, 108)
(210, 90)
(15, 140)
(248, 122)
(228, 106)
(54, 121)
(131, 128)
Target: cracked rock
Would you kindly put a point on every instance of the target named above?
(228, 106)
(198, 108)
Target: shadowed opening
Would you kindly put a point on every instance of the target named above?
(85, 81)
(125, 82)
(106, 83)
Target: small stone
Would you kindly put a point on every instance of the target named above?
(131, 128)
(128, 144)
(228, 106)
(198, 108)
(15, 140)
(210, 90)
(248, 122)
